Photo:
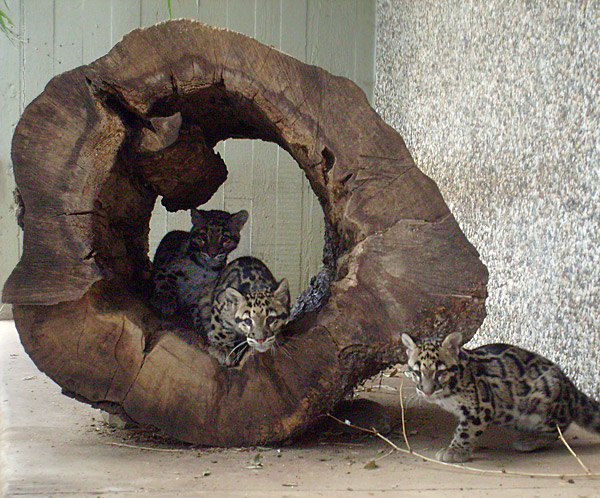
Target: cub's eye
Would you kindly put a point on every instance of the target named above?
(270, 320)
(441, 374)
(228, 243)
(197, 245)
(248, 322)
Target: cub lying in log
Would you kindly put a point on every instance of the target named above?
(249, 308)
(188, 264)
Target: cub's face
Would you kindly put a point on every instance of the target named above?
(432, 363)
(214, 235)
(259, 316)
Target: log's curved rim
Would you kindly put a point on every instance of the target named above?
(388, 215)
(305, 125)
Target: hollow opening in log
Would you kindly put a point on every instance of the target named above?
(170, 154)
(285, 228)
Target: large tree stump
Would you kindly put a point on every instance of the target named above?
(96, 148)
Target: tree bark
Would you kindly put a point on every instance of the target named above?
(95, 149)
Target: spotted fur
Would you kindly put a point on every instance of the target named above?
(187, 264)
(497, 384)
(249, 308)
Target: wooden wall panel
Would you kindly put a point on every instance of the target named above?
(124, 16)
(68, 35)
(37, 63)
(286, 222)
(96, 30)
(11, 105)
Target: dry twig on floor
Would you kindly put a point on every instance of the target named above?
(404, 419)
(463, 467)
(145, 448)
(562, 438)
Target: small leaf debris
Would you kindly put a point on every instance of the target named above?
(256, 462)
(371, 465)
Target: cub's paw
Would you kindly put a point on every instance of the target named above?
(453, 455)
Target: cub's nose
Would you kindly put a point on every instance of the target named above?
(428, 388)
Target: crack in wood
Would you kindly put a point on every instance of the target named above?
(80, 336)
(381, 158)
(80, 213)
(374, 178)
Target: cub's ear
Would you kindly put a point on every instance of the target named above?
(238, 219)
(408, 342)
(233, 296)
(282, 293)
(452, 342)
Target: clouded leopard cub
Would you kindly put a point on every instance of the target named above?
(187, 264)
(249, 308)
(497, 384)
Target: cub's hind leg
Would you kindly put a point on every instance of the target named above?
(532, 441)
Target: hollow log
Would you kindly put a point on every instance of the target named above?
(93, 152)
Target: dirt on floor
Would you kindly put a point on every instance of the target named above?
(52, 445)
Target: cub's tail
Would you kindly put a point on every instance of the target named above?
(587, 412)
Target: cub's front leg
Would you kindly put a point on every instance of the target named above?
(164, 295)
(221, 347)
(466, 434)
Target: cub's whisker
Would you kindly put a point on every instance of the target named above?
(238, 353)
(281, 348)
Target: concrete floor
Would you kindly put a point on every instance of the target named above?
(54, 446)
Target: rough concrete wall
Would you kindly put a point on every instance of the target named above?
(499, 102)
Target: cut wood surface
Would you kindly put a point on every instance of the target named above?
(95, 149)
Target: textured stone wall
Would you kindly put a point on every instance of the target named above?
(499, 102)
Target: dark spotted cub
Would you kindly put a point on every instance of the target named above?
(497, 384)
(187, 264)
(249, 308)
